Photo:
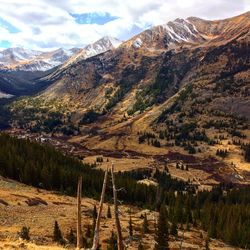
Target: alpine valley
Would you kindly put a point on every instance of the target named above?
(174, 98)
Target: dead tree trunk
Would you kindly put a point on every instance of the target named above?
(79, 227)
(117, 221)
(98, 220)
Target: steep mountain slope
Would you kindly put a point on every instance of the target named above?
(164, 86)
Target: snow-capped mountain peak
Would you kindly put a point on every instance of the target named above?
(32, 60)
(100, 46)
(17, 54)
(169, 35)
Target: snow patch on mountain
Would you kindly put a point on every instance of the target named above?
(137, 43)
(181, 30)
(169, 35)
(102, 45)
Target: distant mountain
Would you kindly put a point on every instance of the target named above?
(16, 55)
(31, 60)
(21, 69)
(102, 45)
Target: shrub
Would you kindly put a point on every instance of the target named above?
(24, 234)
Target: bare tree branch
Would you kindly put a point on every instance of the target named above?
(79, 227)
(98, 220)
(117, 221)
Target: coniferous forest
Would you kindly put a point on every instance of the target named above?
(223, 212)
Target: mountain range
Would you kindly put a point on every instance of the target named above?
(31, 60)
(158, 63)
(20, 59)
(20, 68)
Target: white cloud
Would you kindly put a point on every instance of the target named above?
(47, 24)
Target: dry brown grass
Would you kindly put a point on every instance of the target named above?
(62, 208)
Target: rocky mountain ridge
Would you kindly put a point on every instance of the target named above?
(31, 60)
(20, 59)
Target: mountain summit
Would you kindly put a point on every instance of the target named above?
(191, 31)
(102, 45)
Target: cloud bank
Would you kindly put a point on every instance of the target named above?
(47, 24)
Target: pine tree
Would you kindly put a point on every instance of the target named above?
(88, 232)
(24, 234)
(71, 237)
(57, 236)
(112, 242)
(187, 226)
(161, 235)
(93, 226)
(178, 210)
(173, 229)
(188, 210)
(109, 213)
(145, 224)
(94, 213)
(247, 153)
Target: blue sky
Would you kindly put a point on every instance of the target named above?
(93, 18)
(47, 24)
(5, 44)
(8, 26)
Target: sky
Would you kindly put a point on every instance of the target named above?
(52, 24)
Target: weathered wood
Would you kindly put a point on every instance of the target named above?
(96, 238)
(79, 244)
(117, 220)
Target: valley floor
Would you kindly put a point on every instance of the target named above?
(204, 169)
